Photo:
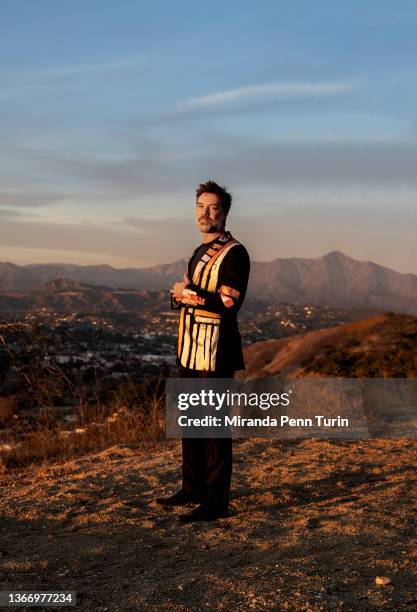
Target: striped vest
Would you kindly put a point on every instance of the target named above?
(199, 329)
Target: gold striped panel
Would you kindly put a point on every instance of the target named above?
(206, 320)
(202, 361)
(213, 260)
(186, 343)
(193, 345)
(234, 293)
(181, 331)
(211, 283)
(197, 271)
(205, 313)
(207, 345)
(213, 347)
(203, 261)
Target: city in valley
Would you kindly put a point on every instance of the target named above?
(136, 343)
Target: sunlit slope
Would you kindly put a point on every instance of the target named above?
(382, 346)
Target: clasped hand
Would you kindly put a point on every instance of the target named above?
(186, 296)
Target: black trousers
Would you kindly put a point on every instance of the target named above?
(207, 462)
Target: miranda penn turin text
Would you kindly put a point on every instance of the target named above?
(267, 421)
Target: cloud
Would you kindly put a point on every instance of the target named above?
(388, 239)
(19, 198)
(6, 213)
(168, 225)
(162, 244)
(371, 174)
(238, 162)
(301, 89)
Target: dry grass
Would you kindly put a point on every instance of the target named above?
(97, 427)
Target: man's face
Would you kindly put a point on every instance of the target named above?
(209, 214)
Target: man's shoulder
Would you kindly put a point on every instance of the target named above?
(237, 257)
(238, 250)
(231, 238)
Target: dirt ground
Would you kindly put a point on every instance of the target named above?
(313, 523)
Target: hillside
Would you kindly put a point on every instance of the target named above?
(65, 295)
(312, 524)
(26, 278)
(382, 346)
(334, 280)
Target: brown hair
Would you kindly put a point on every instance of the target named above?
(225, 198)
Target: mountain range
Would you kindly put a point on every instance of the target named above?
(335, 280)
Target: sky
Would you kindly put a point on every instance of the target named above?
(111, 113)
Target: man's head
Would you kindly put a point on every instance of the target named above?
(212, 206)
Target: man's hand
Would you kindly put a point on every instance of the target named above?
(177, 290)
(191, 298)
(186, 296)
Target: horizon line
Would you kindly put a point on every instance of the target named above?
(334, 252)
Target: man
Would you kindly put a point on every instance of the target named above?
(209, 345)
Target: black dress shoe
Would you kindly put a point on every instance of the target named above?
(205, 512)
(178, 499)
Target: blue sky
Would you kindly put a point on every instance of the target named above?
(112, 112)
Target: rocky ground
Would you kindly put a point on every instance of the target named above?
(313, 523)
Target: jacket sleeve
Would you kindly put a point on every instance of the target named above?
(232, 283)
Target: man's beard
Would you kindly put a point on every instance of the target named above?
(209, 227)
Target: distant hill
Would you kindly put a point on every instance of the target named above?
(66, 295)
(33, 276)
(334, 280)
(382, 346)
